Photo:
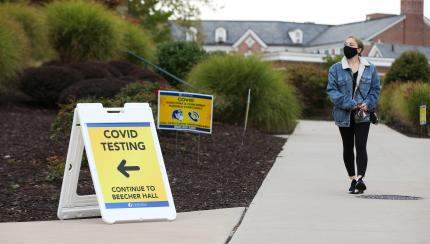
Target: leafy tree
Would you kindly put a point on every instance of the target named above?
(154, 15)
(410, 66)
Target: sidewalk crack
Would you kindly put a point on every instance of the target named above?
(233, 231)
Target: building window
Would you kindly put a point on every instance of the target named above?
(250, 42)
(296, 36)
(191, 34)
(220, 35)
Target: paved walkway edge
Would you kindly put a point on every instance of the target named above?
(209, 226)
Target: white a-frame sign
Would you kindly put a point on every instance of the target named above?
(126, 165)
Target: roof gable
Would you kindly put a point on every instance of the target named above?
(253, 35)
(388, 50)
(365, 30)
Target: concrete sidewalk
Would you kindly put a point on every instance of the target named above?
(210, 226)
(302, 200)
(304, 197)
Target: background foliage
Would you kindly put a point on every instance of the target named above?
(179, 58)
(274, 106)
(410, 66)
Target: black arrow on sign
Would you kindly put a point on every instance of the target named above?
(123, 169)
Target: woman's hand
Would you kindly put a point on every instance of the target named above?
(362, 106)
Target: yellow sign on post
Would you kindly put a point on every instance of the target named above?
(185, 111)
(127, 165)
(423, 114)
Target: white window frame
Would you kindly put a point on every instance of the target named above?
(220, 35)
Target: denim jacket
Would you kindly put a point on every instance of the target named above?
(339, 89)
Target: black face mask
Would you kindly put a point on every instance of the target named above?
(349, 52)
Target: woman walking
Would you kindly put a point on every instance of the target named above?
(354, 88)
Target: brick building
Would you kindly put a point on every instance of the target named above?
(308, 42)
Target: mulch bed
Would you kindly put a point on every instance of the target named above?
(408, 131)
(223, 174)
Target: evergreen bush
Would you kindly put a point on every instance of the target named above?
(274, 107)
(97, 88)
(178, 58)
(410, 66)
(311, 82)
(45, 84)
(91, 70)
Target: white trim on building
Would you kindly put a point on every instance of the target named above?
(248, 33)
(426, 21)
(385, 29)
(317, 58)
(375, 52)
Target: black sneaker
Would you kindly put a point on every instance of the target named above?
(360, 186)
(352, 187)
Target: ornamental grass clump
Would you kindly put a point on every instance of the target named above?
(400, 104)
(83, 31)
(274, 107)
(33, 22)
(420, 95)
(13, 50)
(139, 42)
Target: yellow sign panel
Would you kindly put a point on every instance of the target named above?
(185, 111)
(423, 115)
(127, 165)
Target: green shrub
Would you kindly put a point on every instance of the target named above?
(13, 51)
(34, 24)
(138, 41)
(148, 75)
(124, 67)
(310, 82)
(92, 70)
(82, 31)
(274, 107)
(45, 84)
(134, 92)
(56, 166)
(178, 58)
(410, 66)
(97, 88)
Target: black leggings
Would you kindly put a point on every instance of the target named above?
(356, 132)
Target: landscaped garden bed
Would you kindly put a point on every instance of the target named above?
(205, 171)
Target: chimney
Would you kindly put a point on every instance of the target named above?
(412, 7)
(413, 26)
